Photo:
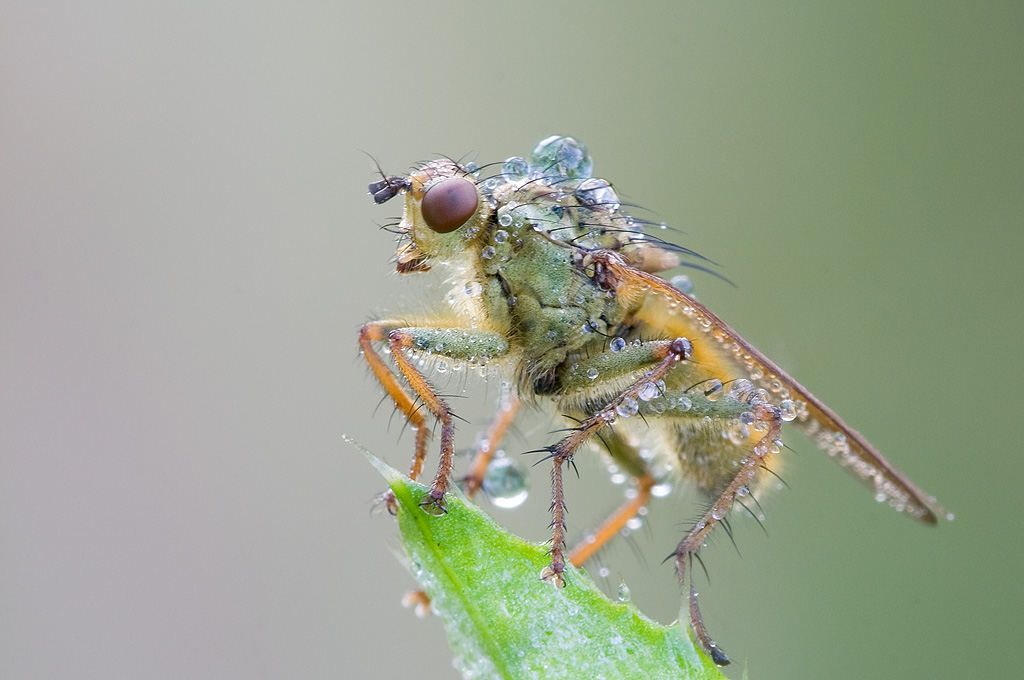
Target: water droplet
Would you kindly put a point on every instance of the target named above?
(598, 194)
(713, 389)
(549, 575)
(682, 283)
(604, 572)
(487, 253)
(617, 345)
(738, 433)
(787, 409)
(474, 288)
(619, 478)
(592, 373)
(628, 407)
(515, 168)
(741, 388)
(683, 404)
(501, 235)
(432, 508)
(661, 490)
(634, 523)
(718, 513)
(562, 155)
(505, 219)
(648, 391)
(623, 593)
(506, 482)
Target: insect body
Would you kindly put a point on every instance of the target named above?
(556, 287)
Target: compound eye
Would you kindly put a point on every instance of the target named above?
(448, 204)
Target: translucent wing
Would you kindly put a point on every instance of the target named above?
(727, 356)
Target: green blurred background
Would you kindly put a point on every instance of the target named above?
(187, 249)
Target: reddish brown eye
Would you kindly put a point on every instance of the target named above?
(448, 204)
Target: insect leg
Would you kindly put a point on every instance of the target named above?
(769, 417)
(664, 355)
(450, 342)
(376, 331)
(507, 408)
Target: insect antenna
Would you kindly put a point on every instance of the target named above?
(379, 170)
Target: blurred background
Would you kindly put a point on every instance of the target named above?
(187, 249)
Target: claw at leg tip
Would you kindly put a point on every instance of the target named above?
(555, 578)
(433, 506)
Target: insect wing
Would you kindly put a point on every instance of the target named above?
(723, 354)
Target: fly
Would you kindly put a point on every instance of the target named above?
(556, 287)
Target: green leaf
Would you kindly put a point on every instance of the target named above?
(504, 622)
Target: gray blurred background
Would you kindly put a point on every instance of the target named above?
(187, 249)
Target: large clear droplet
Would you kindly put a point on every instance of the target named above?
(562, 156)
(628, 407)
(506, 482)
(597, 194)
(648, 391)
(515, 168)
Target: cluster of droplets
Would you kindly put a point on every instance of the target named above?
(462, 349)
(836, 445)
(575, 206)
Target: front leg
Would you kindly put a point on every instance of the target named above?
(451, 342)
